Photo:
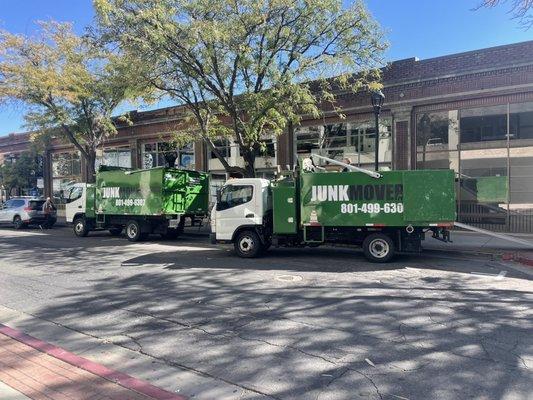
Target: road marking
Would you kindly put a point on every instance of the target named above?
(289, 278)
(498, 277)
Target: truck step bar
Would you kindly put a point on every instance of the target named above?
(502, 236)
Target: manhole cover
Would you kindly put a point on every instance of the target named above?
(288, 278)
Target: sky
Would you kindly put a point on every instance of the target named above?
(414, 28)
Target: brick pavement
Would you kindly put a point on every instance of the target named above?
(41, 376)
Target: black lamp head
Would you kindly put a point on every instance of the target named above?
(377, 99)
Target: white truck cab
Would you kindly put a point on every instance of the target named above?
(243, 207)
(76, 201)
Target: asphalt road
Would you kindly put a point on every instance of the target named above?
(299, 324)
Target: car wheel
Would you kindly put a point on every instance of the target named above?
(79, 225)
(378, 248)
(247, 244)
(115, 231)
(133, 231)
(17, 223)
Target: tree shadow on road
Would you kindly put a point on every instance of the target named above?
(344, 330)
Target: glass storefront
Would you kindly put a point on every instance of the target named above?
(167, 154)
(353, 141)
(491, 150)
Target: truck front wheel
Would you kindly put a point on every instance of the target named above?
(80, 227)
(247, 244)
(133, 231)
(378, 247)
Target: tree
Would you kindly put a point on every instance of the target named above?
(245, 69)
(21, 173)
(519, 10)
(71, 85)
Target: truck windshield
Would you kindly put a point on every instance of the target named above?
(234, 195)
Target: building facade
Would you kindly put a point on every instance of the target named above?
(471, 112)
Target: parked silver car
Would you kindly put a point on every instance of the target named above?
(23, 211)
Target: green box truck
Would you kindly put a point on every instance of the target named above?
(384, 213)
(145, 201)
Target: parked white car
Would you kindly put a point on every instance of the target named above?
(23, 211)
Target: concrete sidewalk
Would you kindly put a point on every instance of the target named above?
(30, 368)
(472, 243)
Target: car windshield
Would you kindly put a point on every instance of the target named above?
(36, 204)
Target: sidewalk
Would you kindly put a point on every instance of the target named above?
(479, 244)
(33, 369)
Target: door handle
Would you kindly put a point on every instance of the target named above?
(79, 207)
(249, 216)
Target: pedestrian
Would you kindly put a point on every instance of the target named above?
(48, 209)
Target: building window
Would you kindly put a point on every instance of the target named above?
(353, 141)
(484, 124)
(265, 148)
(167, 154)
(66, 170)
(115, 157)
(223, 147)
(437, 139)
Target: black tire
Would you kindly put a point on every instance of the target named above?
(17, 223)
(79, 225)
(133, 231)
(378, 248)
(115, 231)
(247, 244)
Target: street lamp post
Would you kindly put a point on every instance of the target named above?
(377, 101)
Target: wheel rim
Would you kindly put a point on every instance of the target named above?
(379, 248)
(246, 244)
(79, 227)
(17, 221)
(132, 231)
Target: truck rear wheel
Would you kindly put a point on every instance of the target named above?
(247, 244)
(133, 231)
(80, 227)
(378, 248)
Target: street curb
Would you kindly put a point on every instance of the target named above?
(518, 258)
(119, 378)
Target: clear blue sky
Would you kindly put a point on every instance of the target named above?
(421, 28)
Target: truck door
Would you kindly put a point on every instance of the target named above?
(236, 207)
(75, 202)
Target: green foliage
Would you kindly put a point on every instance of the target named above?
(70, 85)
(21, 173)
(247, 68)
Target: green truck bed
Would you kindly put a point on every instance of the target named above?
(151, 192)
(344, 199)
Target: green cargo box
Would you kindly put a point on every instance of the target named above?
(397, 199)
(151, 192)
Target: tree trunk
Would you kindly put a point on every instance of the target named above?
(249, 163)
(90, 161)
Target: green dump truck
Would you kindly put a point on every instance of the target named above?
(384, 213)
(142, 202)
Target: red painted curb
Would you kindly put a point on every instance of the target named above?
(119, 378)
(517, 257)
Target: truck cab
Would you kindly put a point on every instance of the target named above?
(242, 215)
(76, 201)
